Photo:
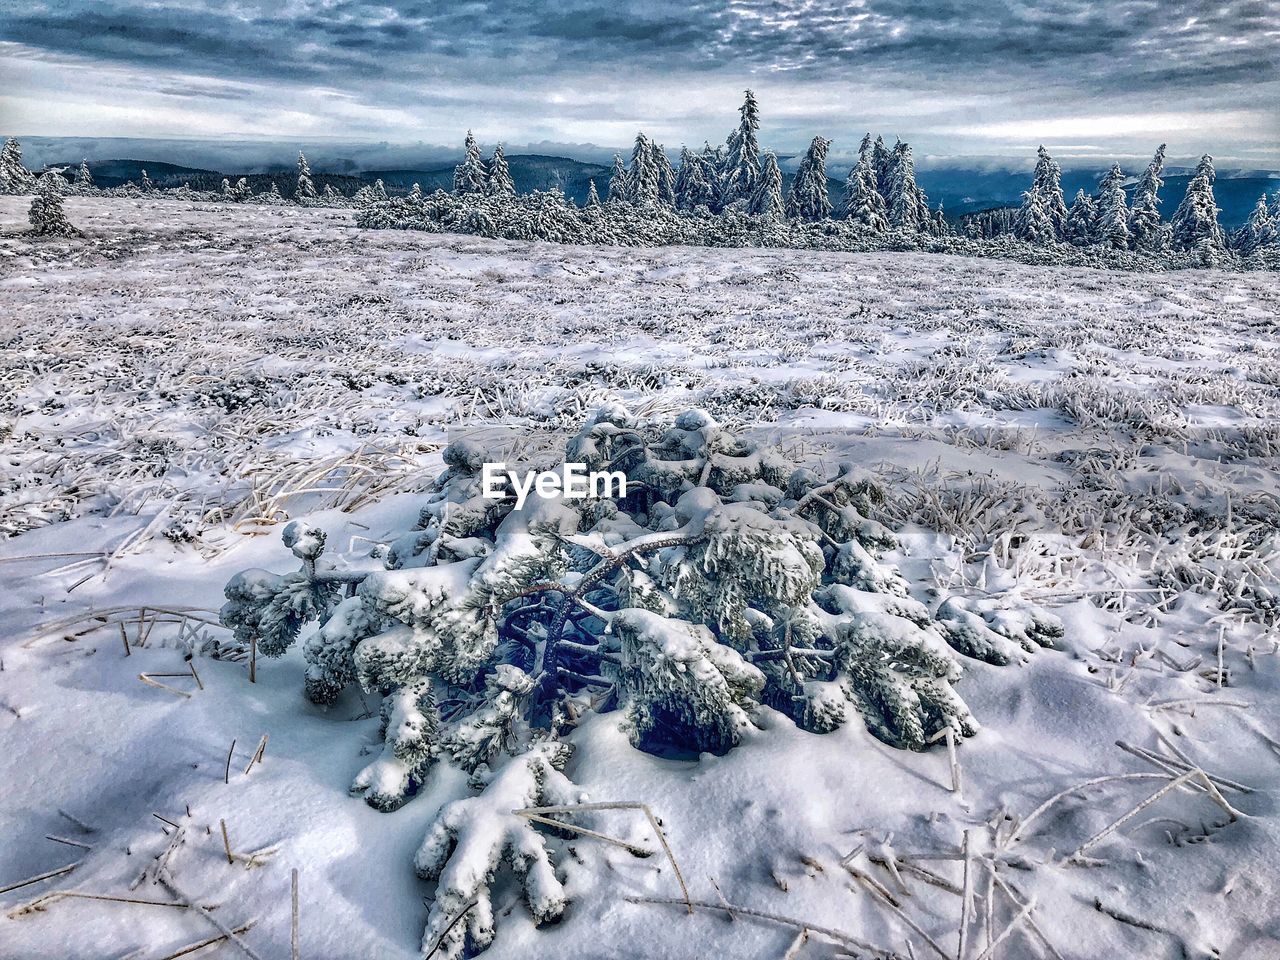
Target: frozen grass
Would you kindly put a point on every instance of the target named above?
(186, 377)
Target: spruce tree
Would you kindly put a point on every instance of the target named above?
(593, 198)
(882, 163)
(306, 188)
(1081, 220)
(46, 215)
(666, 175)
(1112, 224)
(618, 180)
(695, 182)
(1258, 230)
(907, 206)
(84, 179)
(379, 189)
(470, 176)
(643, 177)
(808, 199)
(14, 177)
(1043, 213)
(863, 204)
(742, 166)
(1144, 214)
(226, 190)
(147, 185)
(1195, 224)
(242, 191)
(766, 201)
(415, 191)
(500, 182)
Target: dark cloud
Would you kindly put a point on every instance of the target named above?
(1038, 55)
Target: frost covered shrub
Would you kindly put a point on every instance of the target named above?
(549, 215)
(725, 582)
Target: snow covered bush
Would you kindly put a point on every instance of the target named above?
(724, 582)
(46, 215)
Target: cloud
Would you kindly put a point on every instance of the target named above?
(981, 71)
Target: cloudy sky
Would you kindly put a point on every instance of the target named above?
(973, 78)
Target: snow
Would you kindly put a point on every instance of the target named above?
(188, 377)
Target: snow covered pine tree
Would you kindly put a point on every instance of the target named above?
(724, 583)
(46, 214)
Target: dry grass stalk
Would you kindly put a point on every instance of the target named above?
(43, 903)
(293, 920)
(38, 878)
(257, 754)
(226, 842)
(226, 776)
(192, 948)
(835, 936)
(623, 805)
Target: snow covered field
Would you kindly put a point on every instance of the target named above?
(1104, 445)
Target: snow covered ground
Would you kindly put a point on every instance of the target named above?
(187, 377)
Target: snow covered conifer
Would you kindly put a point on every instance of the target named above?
(862, 201)
(379, 189)
(882, 163)
(500, 183)
(1258, 231)
(618, 180)
(1043, 213)
(46, 215)
(1195, 223)
(84, 179)
(306, 187)
(742, 166)
(643, 177)
(225, 190)
(724, 583)
(415, 191)
(242, 190)
(695, 182)
(767, 199)
(1081, 219)
(470, 176)
(593, 198)
(330, 195)
(808, 199)
(147, 185)
(14, 177)
(1112, 224)
(1144, 213)
(666, 175)
(907, 207)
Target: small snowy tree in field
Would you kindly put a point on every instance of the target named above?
(1043, 213)
(84, 179)
(147, 185)
(862, 201)
(46, 215)
(742, 166)
(1144, 213)
(767, 199)
(724, 584)
(415, 191)
(1195, 223)
(1258, 231)
(500, 183)
(1112, 225)
(643, 176)
(379, 189)
(593, 198)
(1081, 220)
(618, 180)
(330, 195)
(225, 190)
(242, 191)
(470, 176)
(808, 199)
(14, 177)
(306, 187)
